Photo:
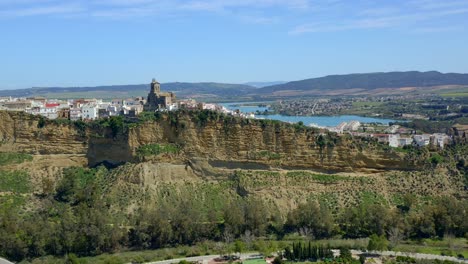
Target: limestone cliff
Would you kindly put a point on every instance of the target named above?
(230, 142)
(222, 158)
(21, 132)
(222, 141)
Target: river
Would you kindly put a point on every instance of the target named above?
(323, 121)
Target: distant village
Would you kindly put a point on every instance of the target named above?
(92, 109)
(394, 135)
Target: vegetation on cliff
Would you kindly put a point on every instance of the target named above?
(80, 216)
(191, 198)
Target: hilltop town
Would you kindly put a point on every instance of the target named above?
(92, 109)
(157, 100)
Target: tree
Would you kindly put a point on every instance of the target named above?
(234, 217)
(248, 238)
(306, 232)
(345, 254)
(395, 235)
(311, 219)
(408, 201)
(364, 220)
(362, 259)
(262, 247)
(228, 237)
(256, 217)
(377, 242)
(436, 159)
(239, 246)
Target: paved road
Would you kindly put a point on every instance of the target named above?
(4, 261)
(205, 259)
(413, 255)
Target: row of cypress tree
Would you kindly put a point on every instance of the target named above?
(303, 251)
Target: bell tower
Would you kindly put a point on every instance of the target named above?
(155, 86)
(158, 100)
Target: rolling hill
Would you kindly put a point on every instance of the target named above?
(182, 89)
(363, 83)
(350, 84)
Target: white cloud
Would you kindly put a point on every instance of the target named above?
(259, 19)
(437, 4)
(308, 15)
(42, 10)
(218, 5)
(423, 12)
(437, 29)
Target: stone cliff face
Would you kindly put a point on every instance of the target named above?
(20, 132)
(223, 142)
(238, 143)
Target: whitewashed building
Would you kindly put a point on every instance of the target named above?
(422, 140)
(394, 140)
(75, 114)
(90, 111)
(352, 126)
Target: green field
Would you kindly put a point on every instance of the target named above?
(460, 94)
(367, 104)
(449, 247)
(254, 261)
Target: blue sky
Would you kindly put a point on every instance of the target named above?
(103, 42)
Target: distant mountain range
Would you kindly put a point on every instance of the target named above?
(357, 83)
(263, 84)
(350, 84)
(206, 90)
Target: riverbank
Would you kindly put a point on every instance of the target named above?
(322, 121)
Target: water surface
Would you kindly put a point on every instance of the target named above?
(307, 120)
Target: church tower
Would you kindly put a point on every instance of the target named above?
(155, 86)
(156, 99)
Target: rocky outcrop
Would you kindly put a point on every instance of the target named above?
(221, 141)
(251, 144)
(20, 132)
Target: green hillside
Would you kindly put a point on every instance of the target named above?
(369, 81)
(182, 89)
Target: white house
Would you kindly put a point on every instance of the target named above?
(339, 128)
(172, 107)
(440, 140)
(422, 140)
(352, 126)
(404, 141)
(90, 111)
(394, 140)
(393, 129)
(75, 114)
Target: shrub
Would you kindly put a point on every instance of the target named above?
(446, 252)
(14, 181)
(278, 260)
(404, 259)
(14, 158)
(81, 127)
(41, 123)
(345, 253)
(377, 242)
